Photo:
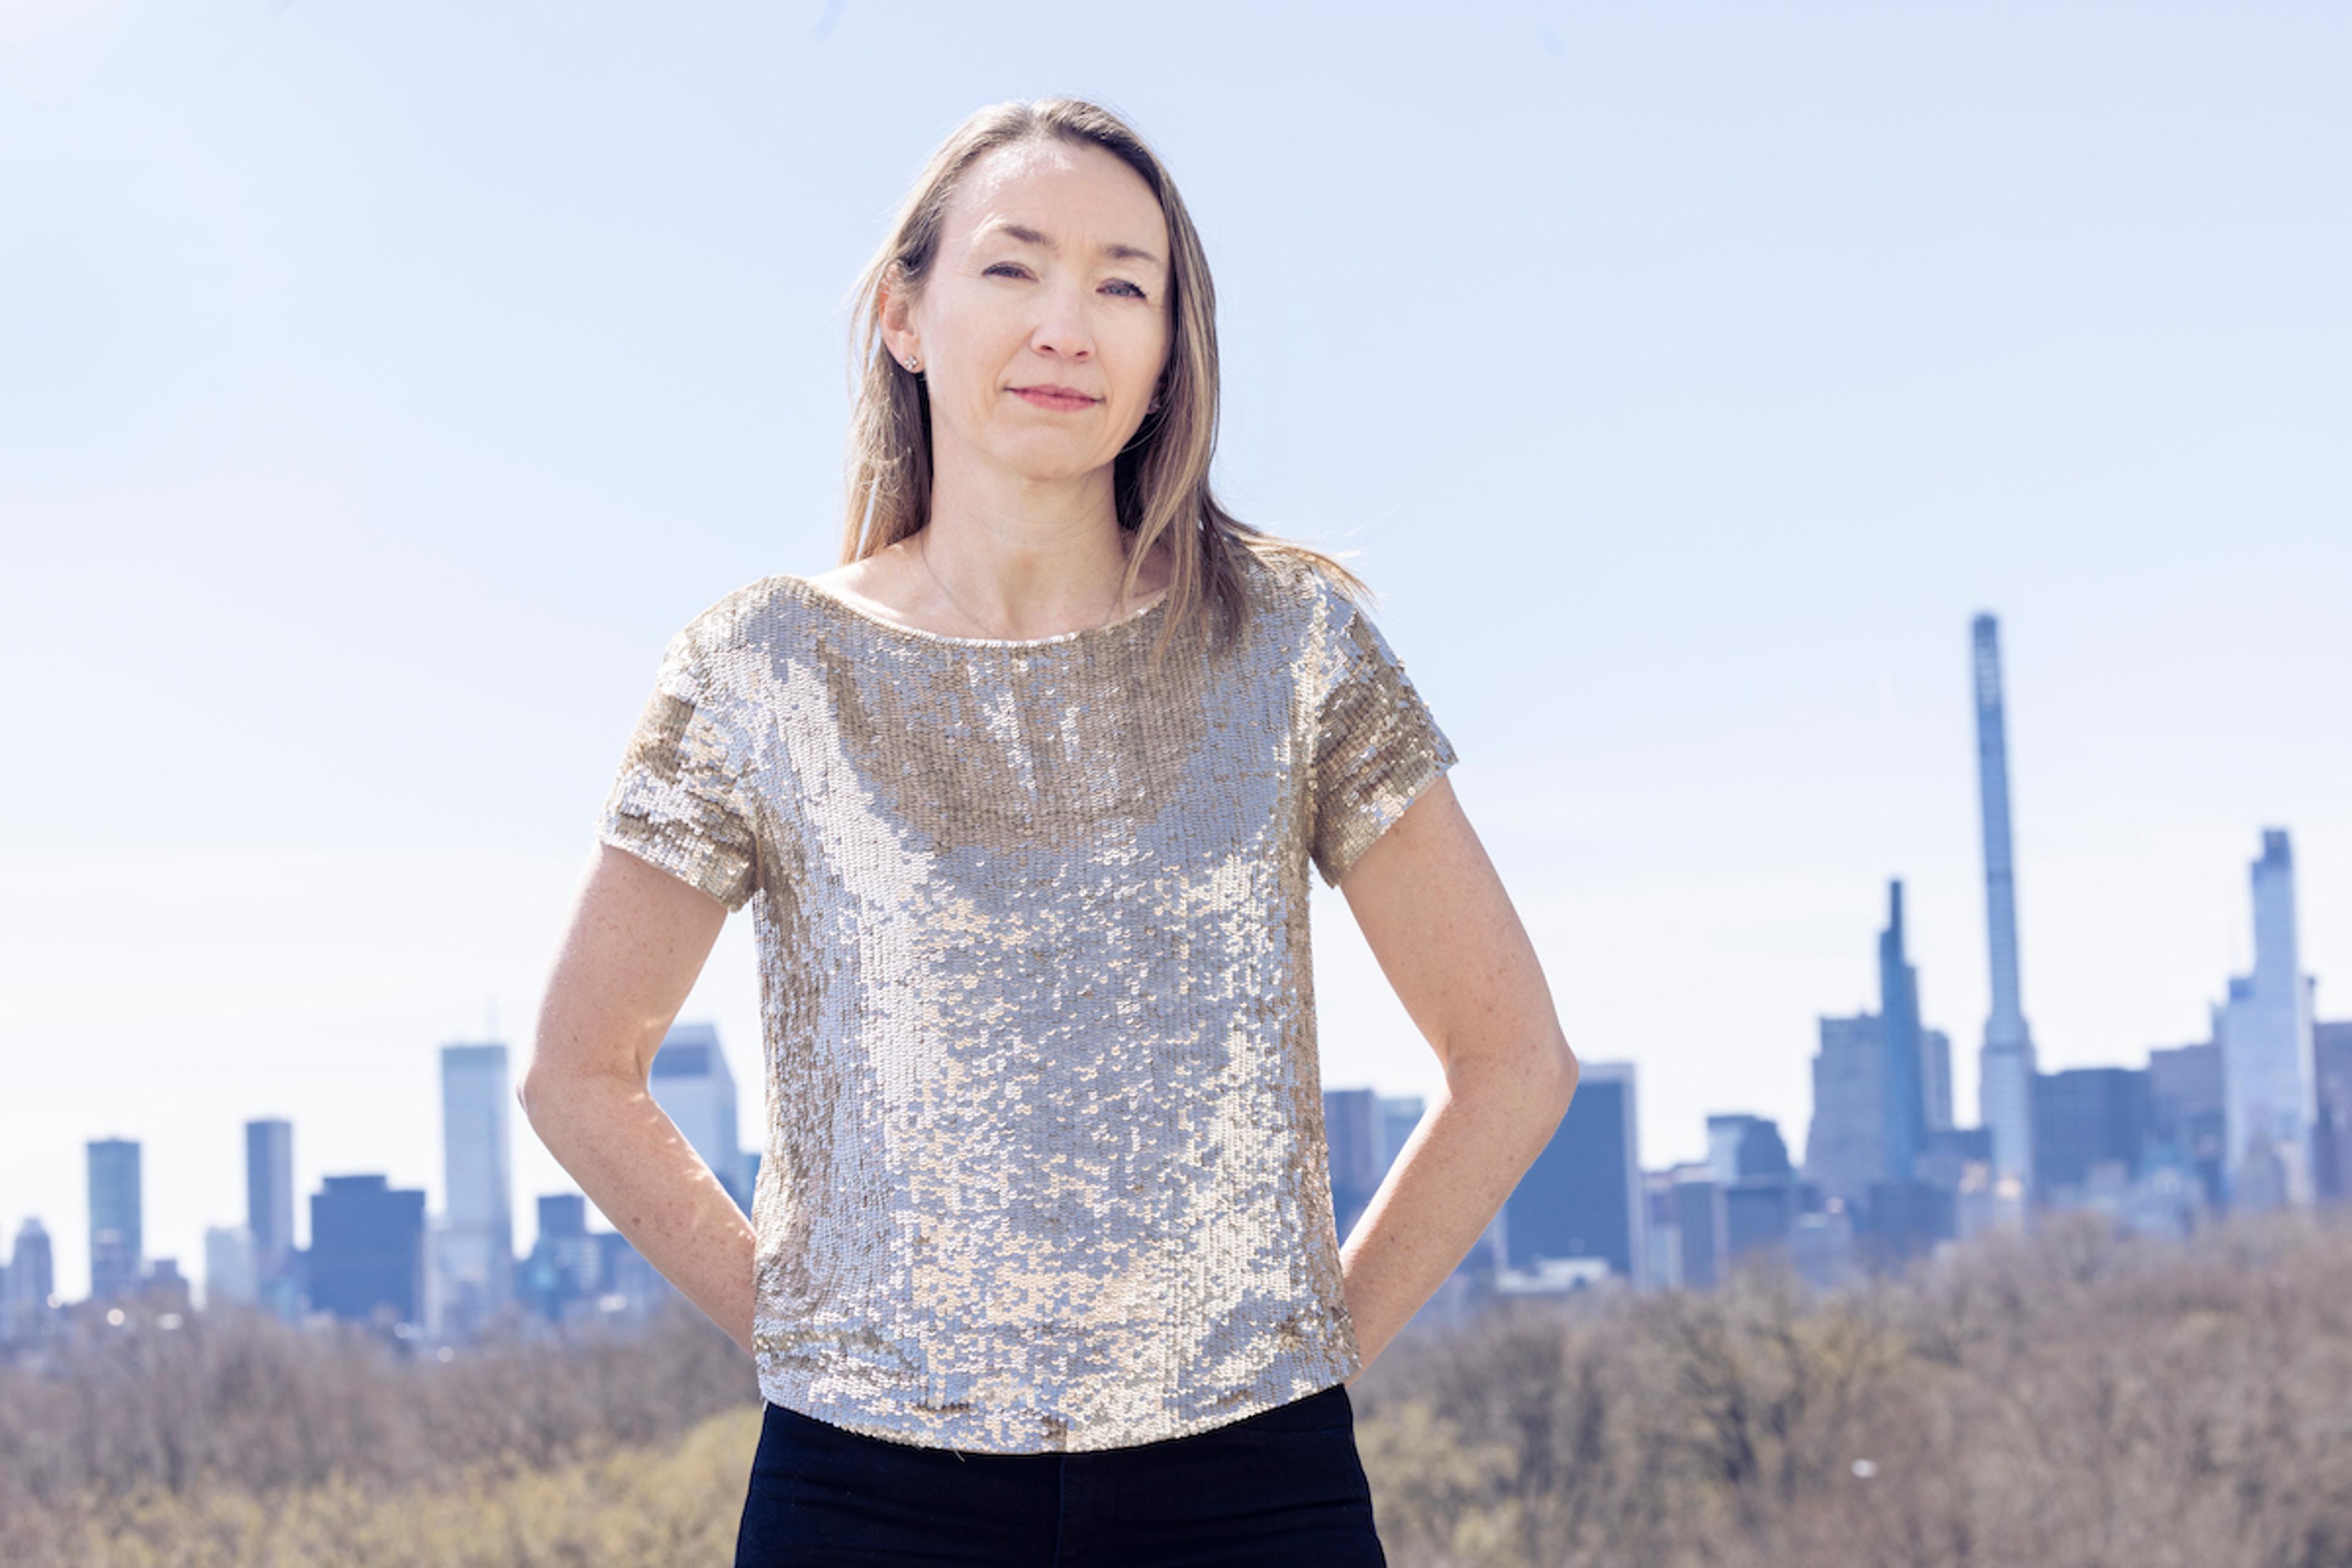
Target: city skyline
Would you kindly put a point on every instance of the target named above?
(400, 388)
(1880, 1103)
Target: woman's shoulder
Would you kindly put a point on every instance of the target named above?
(1298, 586)
(746, 616)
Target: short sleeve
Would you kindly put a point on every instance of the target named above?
(1376, 745)
(677, 803)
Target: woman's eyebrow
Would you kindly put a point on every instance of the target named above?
(1028, 235)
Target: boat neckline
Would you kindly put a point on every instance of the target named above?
(848, 605)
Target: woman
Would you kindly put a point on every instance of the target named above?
(1024, 797)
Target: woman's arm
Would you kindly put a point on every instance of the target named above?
(637, 940)
(1435, 915)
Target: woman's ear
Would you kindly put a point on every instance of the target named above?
(897, 317)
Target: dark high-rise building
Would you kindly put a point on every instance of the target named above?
(2331, 1056)
(270, 1203)
(367, 1250)
(1352, 1133)
(1757, 1196)
(1904, 1104)
(2084, 1117)
(1903, 1220)
(1935, 1077)
(691, 1083)
(1739, 1145)
(1944, 1163)
(1582, 1196)
(2187, 1125)
(566, 1263)
(2007, 1064)
(1699, 1225)
(1758, 1213)
(32, 1280)
(118, 1254)
(1846, 1145)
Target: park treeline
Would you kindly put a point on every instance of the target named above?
(2074, 1400)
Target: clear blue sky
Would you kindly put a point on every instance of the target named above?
(381, 385)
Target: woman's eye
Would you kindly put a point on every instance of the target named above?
(1015, 270)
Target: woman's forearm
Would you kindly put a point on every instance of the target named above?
(1447, 1187)
(639, 1171)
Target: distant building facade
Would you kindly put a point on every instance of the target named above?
(2331, 1052)
(270, 1213)
(1845, 1146)
(2187, 1125)
(691, 1083)
(473, 1275)
(118, 1254)
(1351, 1135)
(29, 1297)
(1582, 1195)
(228, 1265)
(2084, 1118)
(367, 1250)
(2264, 1030)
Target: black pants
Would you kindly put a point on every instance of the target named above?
(1284, 1486)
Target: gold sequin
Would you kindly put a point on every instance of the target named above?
(1044, 1165)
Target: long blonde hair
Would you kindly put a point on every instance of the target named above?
(1160, 479)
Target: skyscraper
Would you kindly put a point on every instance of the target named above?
(228, 1265)
(367, 1248)
(2086, 1117)
(1903, 1106)
(692, 1084)
(1935, 1077)
(1846, 1145)
(474, 1250)
(2007, 1063)
(24, 1306)
(269, 1209)
(117, 1249)
(1583, 1196)
(1351, 1138)
(2264, 1030)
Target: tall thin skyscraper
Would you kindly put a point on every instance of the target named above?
(117, 1249)
(2005, 1088)
(2270, 1099)
(1903, 1112)
(474, 1252)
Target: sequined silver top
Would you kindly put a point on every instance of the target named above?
(1044, 1165)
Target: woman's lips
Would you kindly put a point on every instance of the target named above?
(1061, 400)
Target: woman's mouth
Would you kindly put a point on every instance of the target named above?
(1056, 398)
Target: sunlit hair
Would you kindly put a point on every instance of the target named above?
(1161, 478)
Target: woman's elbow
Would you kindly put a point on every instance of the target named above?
(1565, 1070)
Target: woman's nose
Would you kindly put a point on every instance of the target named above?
(1062, 326)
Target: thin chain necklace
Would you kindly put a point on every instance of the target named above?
(923, 549)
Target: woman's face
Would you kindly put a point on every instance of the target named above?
(1052, 273)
